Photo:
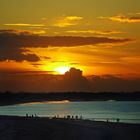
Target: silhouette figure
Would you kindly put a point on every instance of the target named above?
(76, 117)
(118, 120)
(107, 120)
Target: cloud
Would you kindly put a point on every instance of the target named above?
(93, 32)
(17, 54)
(13, 51)
(73, 80)
(21, 32)
(124, 19)
(24, 24)
(67, 21)
(73, 73)
(111, 83)
(38, 32)
(138, 13)
(25, 39)
(13, 43)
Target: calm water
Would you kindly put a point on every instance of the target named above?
(127, 111)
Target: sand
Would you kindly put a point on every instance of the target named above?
(23, 128)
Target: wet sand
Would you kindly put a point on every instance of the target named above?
(23, 128)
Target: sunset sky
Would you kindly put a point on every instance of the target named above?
(48, 37)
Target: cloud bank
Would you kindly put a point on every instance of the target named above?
(124, 19)
(24, 24)
(73, 80)
(66, 21)
(13, 43)
(93, 32)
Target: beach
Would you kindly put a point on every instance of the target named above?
(43, 128)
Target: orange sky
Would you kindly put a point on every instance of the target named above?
(99, 37)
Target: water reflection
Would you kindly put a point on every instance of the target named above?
(127, 111)
(46, 102)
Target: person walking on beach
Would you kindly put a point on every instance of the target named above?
(118, 120)
(26, 114)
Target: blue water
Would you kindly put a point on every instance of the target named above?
(126, 111)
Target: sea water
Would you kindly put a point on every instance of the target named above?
(126, 111)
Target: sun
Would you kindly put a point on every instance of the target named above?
(62, 70)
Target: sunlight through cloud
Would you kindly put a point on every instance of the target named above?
(62, 70)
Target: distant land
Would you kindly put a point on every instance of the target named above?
(9, 98)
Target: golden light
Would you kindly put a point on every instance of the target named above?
(62, 70)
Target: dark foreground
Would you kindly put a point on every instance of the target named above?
(22, 128)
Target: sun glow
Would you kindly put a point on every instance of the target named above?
(62, 70)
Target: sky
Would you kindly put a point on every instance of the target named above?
(43, 39)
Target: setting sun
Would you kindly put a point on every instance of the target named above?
(62, 70)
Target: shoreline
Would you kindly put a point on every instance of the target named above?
(40, 128)
(49, 101)
(20, 98)
(75, 118)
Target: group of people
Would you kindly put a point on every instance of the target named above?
(57, 116)
(70, 117)
(33, 115)
(117, 120)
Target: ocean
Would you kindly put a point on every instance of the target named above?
(125, 111)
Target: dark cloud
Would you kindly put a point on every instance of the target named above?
(71, 81)
(45, 57)
(27, 40)
(73, 73)
(114, 83)
(14, 42)
(11, 49)
(17, 55)
(36, 64)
